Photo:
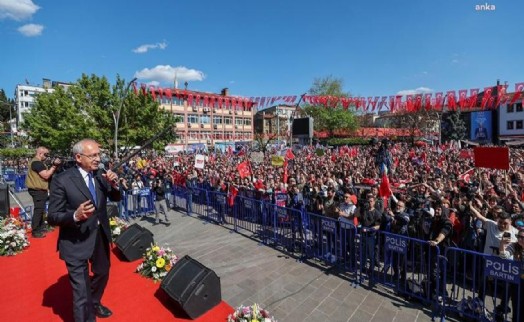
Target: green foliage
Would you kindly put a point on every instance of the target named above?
(328, 118)
(90, 108)
(6, 105)
(16, 153)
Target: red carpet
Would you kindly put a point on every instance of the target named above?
(35, 287)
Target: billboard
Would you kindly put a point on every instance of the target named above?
(481, 129)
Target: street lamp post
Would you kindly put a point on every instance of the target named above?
(116, 115)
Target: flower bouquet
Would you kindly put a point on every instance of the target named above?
(13, 237)
(250, 314)
(117, 226)
(157, 262)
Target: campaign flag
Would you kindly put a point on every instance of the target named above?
(277, 160)
(487, 95)
(409, 103)
(244, 169)
(200, 161)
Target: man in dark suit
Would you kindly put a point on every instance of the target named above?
(77, 203)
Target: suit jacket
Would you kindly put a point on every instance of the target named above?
(68, 190)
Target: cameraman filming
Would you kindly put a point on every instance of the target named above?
(37, 183)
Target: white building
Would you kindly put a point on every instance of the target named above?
(511, 121)
(25, 96)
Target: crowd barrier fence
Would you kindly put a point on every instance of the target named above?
(458, 282)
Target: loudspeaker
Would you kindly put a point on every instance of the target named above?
(134, 241)
(194, 287)
(4, 200)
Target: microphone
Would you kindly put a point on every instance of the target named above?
(102, 168)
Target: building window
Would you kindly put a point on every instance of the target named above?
(227, 120)
(518, 107)
(181, 117)
(217, 119)
(510, 108)
(204, 119)
(518, 125)
(239, 121)
(509, 125)
(192, 118)
(247, 121)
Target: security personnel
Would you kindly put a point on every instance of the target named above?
(37, 183)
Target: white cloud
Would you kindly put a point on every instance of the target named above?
(145, 48)
(17, 9)
(166, 74)
(31, 30)
(454, 61)
(420, 90)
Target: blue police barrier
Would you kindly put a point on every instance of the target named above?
(325, 244)
(479, 286)
(410, 266)
(249, 215)
(179, 197)
(20, 182)
(199, 201)
(219, 207)
(349, 247)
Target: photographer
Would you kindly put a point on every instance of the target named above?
(37, 183)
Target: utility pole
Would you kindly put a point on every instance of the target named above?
(116, 115)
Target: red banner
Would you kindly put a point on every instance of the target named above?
(492, 157)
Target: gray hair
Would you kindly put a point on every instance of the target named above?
(78, 148)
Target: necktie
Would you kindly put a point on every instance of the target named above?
(91, 186)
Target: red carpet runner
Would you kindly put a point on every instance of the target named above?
(35, 287)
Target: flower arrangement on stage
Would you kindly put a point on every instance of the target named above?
(13, 237)
(117, 226)
(251, 313)
(157, 261)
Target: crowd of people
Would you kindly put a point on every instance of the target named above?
(432, 193)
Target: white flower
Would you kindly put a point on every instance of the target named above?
(116, 231)
(153, 269)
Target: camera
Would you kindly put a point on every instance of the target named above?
(506, 235)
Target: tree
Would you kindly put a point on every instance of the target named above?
(86, 109)
(330, 118)
(6, 106)
(457, 126)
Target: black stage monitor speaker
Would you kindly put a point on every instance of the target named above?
(4, 200)
(194, 287)
(134, 241)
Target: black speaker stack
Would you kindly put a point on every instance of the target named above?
(4, 199)
(194, 287)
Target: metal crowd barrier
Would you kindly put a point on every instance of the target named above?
(460, 282)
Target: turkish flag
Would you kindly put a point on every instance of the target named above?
(289, 155)
(135, 90)
(168, 93)
(418, 101)
(385, 188)
(392, 103)
(463, 93)
(233, 192)
(409, 103)
(438, 100)
(466, 176)
(427, 101)
(452, 103)
(519, 89)
(473, 94)
(243, 169)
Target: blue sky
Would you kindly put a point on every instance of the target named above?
(265, 47)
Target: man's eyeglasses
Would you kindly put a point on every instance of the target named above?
(91, 156)
(520, 237)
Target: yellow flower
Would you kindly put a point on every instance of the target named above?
(112, 223)
(156, 248)
(160, 262)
